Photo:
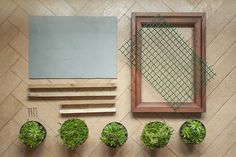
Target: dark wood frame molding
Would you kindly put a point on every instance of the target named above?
(195, 20)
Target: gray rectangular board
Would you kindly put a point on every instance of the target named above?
(72, 47)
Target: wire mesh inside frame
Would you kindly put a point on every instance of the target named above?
(168, 62)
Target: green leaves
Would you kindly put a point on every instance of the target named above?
(32, 134)
(114, 134)
(156, 134)
(73, 133)
(192, 132)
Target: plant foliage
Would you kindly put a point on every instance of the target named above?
(73, 133)
(114, 134)
(193, 132)
(32, 134)
(156, 134)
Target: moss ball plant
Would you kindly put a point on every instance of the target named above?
(156, 135)
(114, 134)
(192, 132)
(32, 134)
(73, 133)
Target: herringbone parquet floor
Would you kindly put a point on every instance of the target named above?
(220, 118)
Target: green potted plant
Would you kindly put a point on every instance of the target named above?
(73, 133)
(192, 132)
(156, 135)
(114, 134)
(32, 134)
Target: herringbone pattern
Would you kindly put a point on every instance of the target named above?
(220, 119)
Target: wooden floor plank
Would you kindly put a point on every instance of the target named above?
(220, 19)
(222, 142)
(59, 7)
(77, 4)
(179, 6)
(7, 33)
(8, 83)
(221, 43)
(14, 151)
(194, 2)
(20, 44)
(232, 151)
(19, 18)
(162, 152)
(219, 122)
(118, 8)
(131, 124)
(20, 68)
(208, 6)
(6, 8)
(94, 7)
(8, 58)
(130, 150)
(135, 8)
(8, 109)
(8, 135)
(181, 149)
(154, 6)
(40, 151)
(34, 7)
(220, 95)
(222, 68)
(124, 30)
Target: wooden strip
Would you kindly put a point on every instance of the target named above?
(71, 94)
(89, 102)
(88, 110)
(73, 86)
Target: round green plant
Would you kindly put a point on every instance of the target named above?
(192, 132)
(73, 133)
(114, 134)
(156, 134)
(32, 134)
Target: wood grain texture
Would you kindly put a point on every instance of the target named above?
(59, 7)
(8, 108)
(7, 33)
(89, 102)
(220, 25)
(87, 110)
(6, 8)
(73, 86)
(70, 94)
(7, 59)
(20, 44)
(11, 130)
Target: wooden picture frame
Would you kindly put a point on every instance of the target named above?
(197, 21)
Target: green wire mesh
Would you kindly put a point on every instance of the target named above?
(167, 62)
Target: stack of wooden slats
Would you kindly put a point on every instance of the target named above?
(87, 98)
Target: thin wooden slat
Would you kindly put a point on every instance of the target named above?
(71, 94)
(89, 102)
(88, 110)
(73, 86)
